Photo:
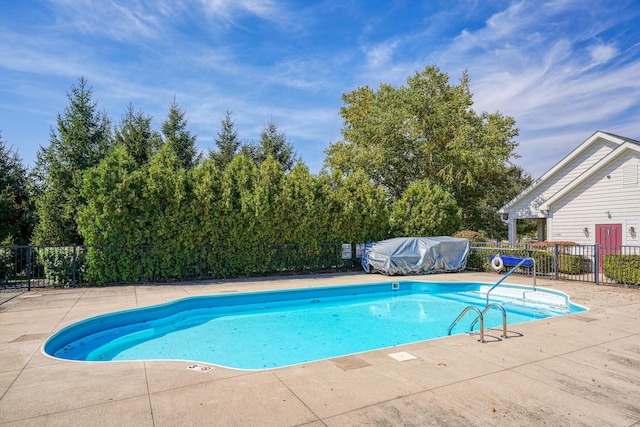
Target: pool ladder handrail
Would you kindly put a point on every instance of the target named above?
(461, 315)
(481, 318)
(504, 317)
(511, 271)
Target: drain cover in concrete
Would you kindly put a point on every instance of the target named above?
(199, 368)
(402, 356)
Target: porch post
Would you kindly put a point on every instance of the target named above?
(512, 231)
(542, 232)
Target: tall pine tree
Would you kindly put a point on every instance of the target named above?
(175, 133)
(16, 218)
(82, 140)
(136, 135)
(227, 143)
(273, 143)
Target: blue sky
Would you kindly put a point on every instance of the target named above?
(563, 69)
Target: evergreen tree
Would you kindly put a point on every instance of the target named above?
(425, 209)
(238, 187)
(275, 144)
(299, 200)
(358, 209)
(114, 219)
(82, 140)
(169, 201)
(270, 210)
(207, 203)
(136, 135)
(227, 143)
(16, 217)
(175, 133)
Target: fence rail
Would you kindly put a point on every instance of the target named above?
(68, 266)
(599, 264)
(26, 267)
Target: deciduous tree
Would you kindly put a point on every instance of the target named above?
(426, 129)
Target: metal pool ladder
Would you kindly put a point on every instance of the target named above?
(481, 318)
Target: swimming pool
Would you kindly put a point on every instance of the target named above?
(262, 330)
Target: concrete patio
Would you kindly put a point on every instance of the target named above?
(580, 369)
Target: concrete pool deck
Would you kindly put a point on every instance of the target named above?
(579, 369)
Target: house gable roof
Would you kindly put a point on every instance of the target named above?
(628, 145)
(588, 143)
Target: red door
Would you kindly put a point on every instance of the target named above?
(608, 239)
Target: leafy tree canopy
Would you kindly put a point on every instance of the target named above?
(426, 129)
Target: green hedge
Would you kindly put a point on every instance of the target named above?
(479, 259)
(59, 264)
(622, 268)
(570, 264)
(112, 265)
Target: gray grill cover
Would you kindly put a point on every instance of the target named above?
(416, 255)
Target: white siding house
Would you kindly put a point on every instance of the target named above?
(592, 196)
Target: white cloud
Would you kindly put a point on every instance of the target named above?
(229, 9)
(380, 54)
(602, 53)
(120, 20)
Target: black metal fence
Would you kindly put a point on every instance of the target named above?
(599, 264)
(26, 267)
(67, 266)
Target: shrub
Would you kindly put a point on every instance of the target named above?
(59, 264)
(563, 247)
(570, 264)
(477, 259)
(426, 208)
(622, 268)
(113, 264)
(7, 255)
(472, 236)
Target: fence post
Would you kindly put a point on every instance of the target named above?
(596, 264)
(141, 263)
(29, 267)
(556, 273)
(73, 267)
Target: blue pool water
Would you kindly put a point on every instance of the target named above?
(262, 330)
